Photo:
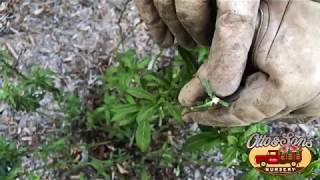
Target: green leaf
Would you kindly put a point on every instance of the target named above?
(207, 87)
(97, 115)
(3, 94)
(143, 63)
(230, 155)
(124, 82)
(120, 117)
(143, 135)
(126, 121)
(256, 128)
(236, 130)
(100, 166)
(34, 177)
(174, 111)
(232, 140)
(189, 59)
(123, 113)
(270, 177)
(244, 157)
(111, 75)
(125, 108)
(155, 79)
(140, 93)
(82, 177)
(145, 113)
(309, 171)
(295, 177)
(252, 174)
(205, 84)
(202, 54)
(130, 99)
(223, 103)
(145, 175)
(200, 142)
(127, 59)
(57, 145)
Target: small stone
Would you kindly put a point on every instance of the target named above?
(197, 175)
(38, 11)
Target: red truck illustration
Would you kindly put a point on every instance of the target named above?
(279, 157)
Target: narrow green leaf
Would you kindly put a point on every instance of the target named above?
(143, 63)
(3, 94)
(120, 117)
(202, 54)
(200, 142)
(130, 99)
(232, 140)
(145, 175)
(189, 59)
(150, 77)
(125, 108)
(309, 171)
(223, 103)
(99, 166)
(207, 87)
(236, 130)
(127, 59)
(126, 121)
(295, 177)
(174, 111)
(82, 177)
(140, 93)
(271, 177)
(143, 135)
(256, 128)
(252, 174)
(244, 157)
(145, 114)
(229, 156)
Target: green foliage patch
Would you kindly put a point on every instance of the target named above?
(130, 130)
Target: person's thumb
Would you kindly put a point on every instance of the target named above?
(191, 92)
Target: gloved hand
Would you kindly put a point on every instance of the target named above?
(284, 44)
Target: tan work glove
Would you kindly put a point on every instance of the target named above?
(285, 48)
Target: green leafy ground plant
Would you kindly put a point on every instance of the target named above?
(136, 100)
(10, 159)
(129, 130)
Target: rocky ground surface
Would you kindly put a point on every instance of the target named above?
(77, 39)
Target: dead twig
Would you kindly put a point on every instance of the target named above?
(12, 51)
(122, 12)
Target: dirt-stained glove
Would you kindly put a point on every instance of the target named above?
(284, 43)
(188, 21)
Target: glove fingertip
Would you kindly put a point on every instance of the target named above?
(187, 117)
(191, 93)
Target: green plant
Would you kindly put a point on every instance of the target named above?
(211, 100)
(138, 101)
(137, 106)
(129, 131)
(10, 162)
(230, 141)
(23, 91)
